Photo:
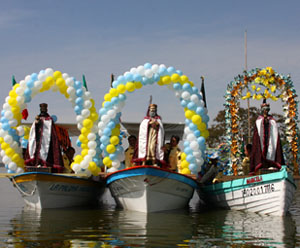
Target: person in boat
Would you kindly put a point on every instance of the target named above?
(151, 140)
(43, 148)
(246, 160)
(266, 146)
(68, 159)
(173, 153)
(211, 170)
(130, 151)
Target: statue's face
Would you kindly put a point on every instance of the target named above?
(152, 112)
(44, 109)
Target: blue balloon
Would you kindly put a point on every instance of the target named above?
(27, 92)
(107, 131)
(113, 156)
(151, 81)
(193, 167)
(190, 158)
(122, 97)
(3, 120)
(156, 77)
(5, 126)
(97, 161)
(102, 111)
(30, 84)
(137, 78)
(162, 71)
(121, 79)
(79, 92)
(200, 111)
(3, 112)
(79, 101)
(197, 133)
(77, 110)
(187, 87)
(128, 77)
(107, 105)
(188, 150)
(192, 106)
(201, 141)
(114, 100)
(34, 76)
(24, 143)
(171, 70)
(177, 86)
(179, 72)
(78, 143)
(192, 126)
(147, 66)
(205, 118)
(77, 85)
(111, 125)
(27, 99)
(183, 103)
(186, 143)
(102, 147)
(11, 171)
(54, 118)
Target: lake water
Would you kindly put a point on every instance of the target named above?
(110, 227)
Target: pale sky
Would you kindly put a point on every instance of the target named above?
(97, 38)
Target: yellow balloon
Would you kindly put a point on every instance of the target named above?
(184, 164)
(121, 88)
(138, 85)
(184, 79)
(166, 79)
(84, 152)
(115, 131)
(183, 156)
(12, 93)
(48, 82)
(83, 138)
(175, 78)
(9, 152)
(130, 87)
(189, 114)
(85, 131)
(110, 148)
(84, 146)
(60, 82)
(107, 97)
(113, 92)
(202, 126)
(4, 146)
(57, 74)
(107, 161)
(78, 159)
(114, 140)
(185, 171)
(92, 166)
(94, 116)
(12, 101)
(88, 123)
(1, 140)
(196, 119)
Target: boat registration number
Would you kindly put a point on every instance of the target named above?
(258, 190)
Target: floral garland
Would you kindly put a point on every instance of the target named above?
(273, 83)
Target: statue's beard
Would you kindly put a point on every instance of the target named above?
(152, 114)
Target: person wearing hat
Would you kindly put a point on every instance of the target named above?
(151, 139)
(43, 146)
(266, 146)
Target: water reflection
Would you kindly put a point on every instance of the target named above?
(118, 228)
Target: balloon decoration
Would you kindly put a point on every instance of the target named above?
(14, 135)
(195, 131)
(259, 84)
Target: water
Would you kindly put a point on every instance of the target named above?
(111, 227)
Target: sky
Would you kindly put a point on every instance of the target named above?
(98, 38)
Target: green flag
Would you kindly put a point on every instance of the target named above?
(13, 80)
(84, 82)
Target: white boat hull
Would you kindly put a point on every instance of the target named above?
(45, 190)
(266, 194)
(150, 189)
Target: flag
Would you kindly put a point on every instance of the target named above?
(13, 80)
(84, 82)
(203, 92)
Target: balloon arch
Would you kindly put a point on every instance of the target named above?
(100, 133)
(276, 87)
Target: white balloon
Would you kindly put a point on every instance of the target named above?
(92, 144)
(197, 154)
(65, 76)
(79, 118)
(87, 104)
(87, 94)
(27, 78)
(42, 77)
(14, 145)
(84, 164)
(194, 145)
(76, 167)
(101, 125)
(88, 158)
(13, 123)
(85, 113)
(94, 128)
(49, 72)
(12, 166)
(2, 153)
(111, 113)
(115, 164)
(91, 136)
(185, 95)
(38, 84)
(155, 68)
(6, 106)
(79, 126)
(20, 99)
(141, 70)
(70, 82)
(20, 91)
(8, 114)
(105, 118)
(162, 66)
(20, 170)
(111, 169)
(194, 98)
(6, 159)
(8, 139)
(133, 70)
(191, 137)
(71, 91)
(149, 73)
(92, 152)
(23, 84)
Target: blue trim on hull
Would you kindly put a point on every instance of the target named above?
(150, 171)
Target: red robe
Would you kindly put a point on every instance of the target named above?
(266, 146)
(43, 146)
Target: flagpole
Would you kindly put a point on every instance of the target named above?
(248, 100)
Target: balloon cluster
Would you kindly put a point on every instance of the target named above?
(195, 131)
(11, 131)
(272, 82)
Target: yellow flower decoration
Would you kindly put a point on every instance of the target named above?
(273, 88)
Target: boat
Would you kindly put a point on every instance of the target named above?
(43, 190)
(150, 189)
(270, 193)
(265, 190)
